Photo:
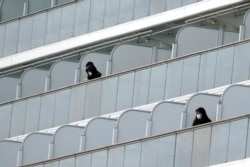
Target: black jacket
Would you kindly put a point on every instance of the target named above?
(92, 72)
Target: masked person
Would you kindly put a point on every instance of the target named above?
(201, 117)
(91, 71)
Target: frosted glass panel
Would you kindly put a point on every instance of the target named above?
(116, 157)
(67, 21)
(84, 160)
(201, 145)
(111, 13)
(126, 10)
(61, 114)
(224, 66)
(141, 87)
(173, 4)
(109, 94)
(207, 71)
(140, 11)
(2, 32)
(25, 30)
(237, 140)
(132, 155)
(187, 2)
(18, 118)
(184, 144)
(173, 80)
(125, 91)
(166, 151)
(190, 75)
(219, 143)
(5, 120)
(96, 15)
(53, 26)
(241, 63)
(11, 38)
(157, 83)
(99, 159)
(157, 6)
(77, 99)
(93, 98)
(47, 111)
(149, 153)
(82, 17)
(39, 30)
(67, 162)
(52, 164)
(32, 114)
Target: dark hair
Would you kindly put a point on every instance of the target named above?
(204, 118)
(89, 63)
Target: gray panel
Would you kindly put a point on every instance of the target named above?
(7, 13)
(61, 114)
(37, 5)
(173, 80)
(141, 87)
(219, 144)
(111, 13)
(32, 115)
(173, 4)
(39, 30)
(247, 25)
(207, 70)
(190, 75)
(187, 2)
(201, 145)
(47, 111)
(67, 21)
(32, 143)
(241, 63)
(163, 54)
(18, 118)
(116, 157)
(191, 39)
(67, 69)
(53, 26)
(82, 17)
(166, 117)
(132, 155)
(11, 38)
(248, 141)
(93, 98)
(141, 8)
(99, 128)
(96, 15)
(166, 151)
(68, 162)
(237, 140)
(2, 36)
(8, 88)
(149, 154)
(184, 145)
(83, 160)
(157, 6)
(224, 66)
(8, 153)
(25, 29)
(99, 159)
(109, 95)
(131, 56)
(5, 121)
(58, 2)
(126, 125)
(30, 78)
(67, 140)
(52, 164)
(77, 99)
(125, 91)
(157, 83)
(126, 11)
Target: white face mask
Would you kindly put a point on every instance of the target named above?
(198, 116)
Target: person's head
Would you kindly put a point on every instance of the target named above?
(200, 113)
(89, 63)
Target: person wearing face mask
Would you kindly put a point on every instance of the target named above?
(201, 117)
